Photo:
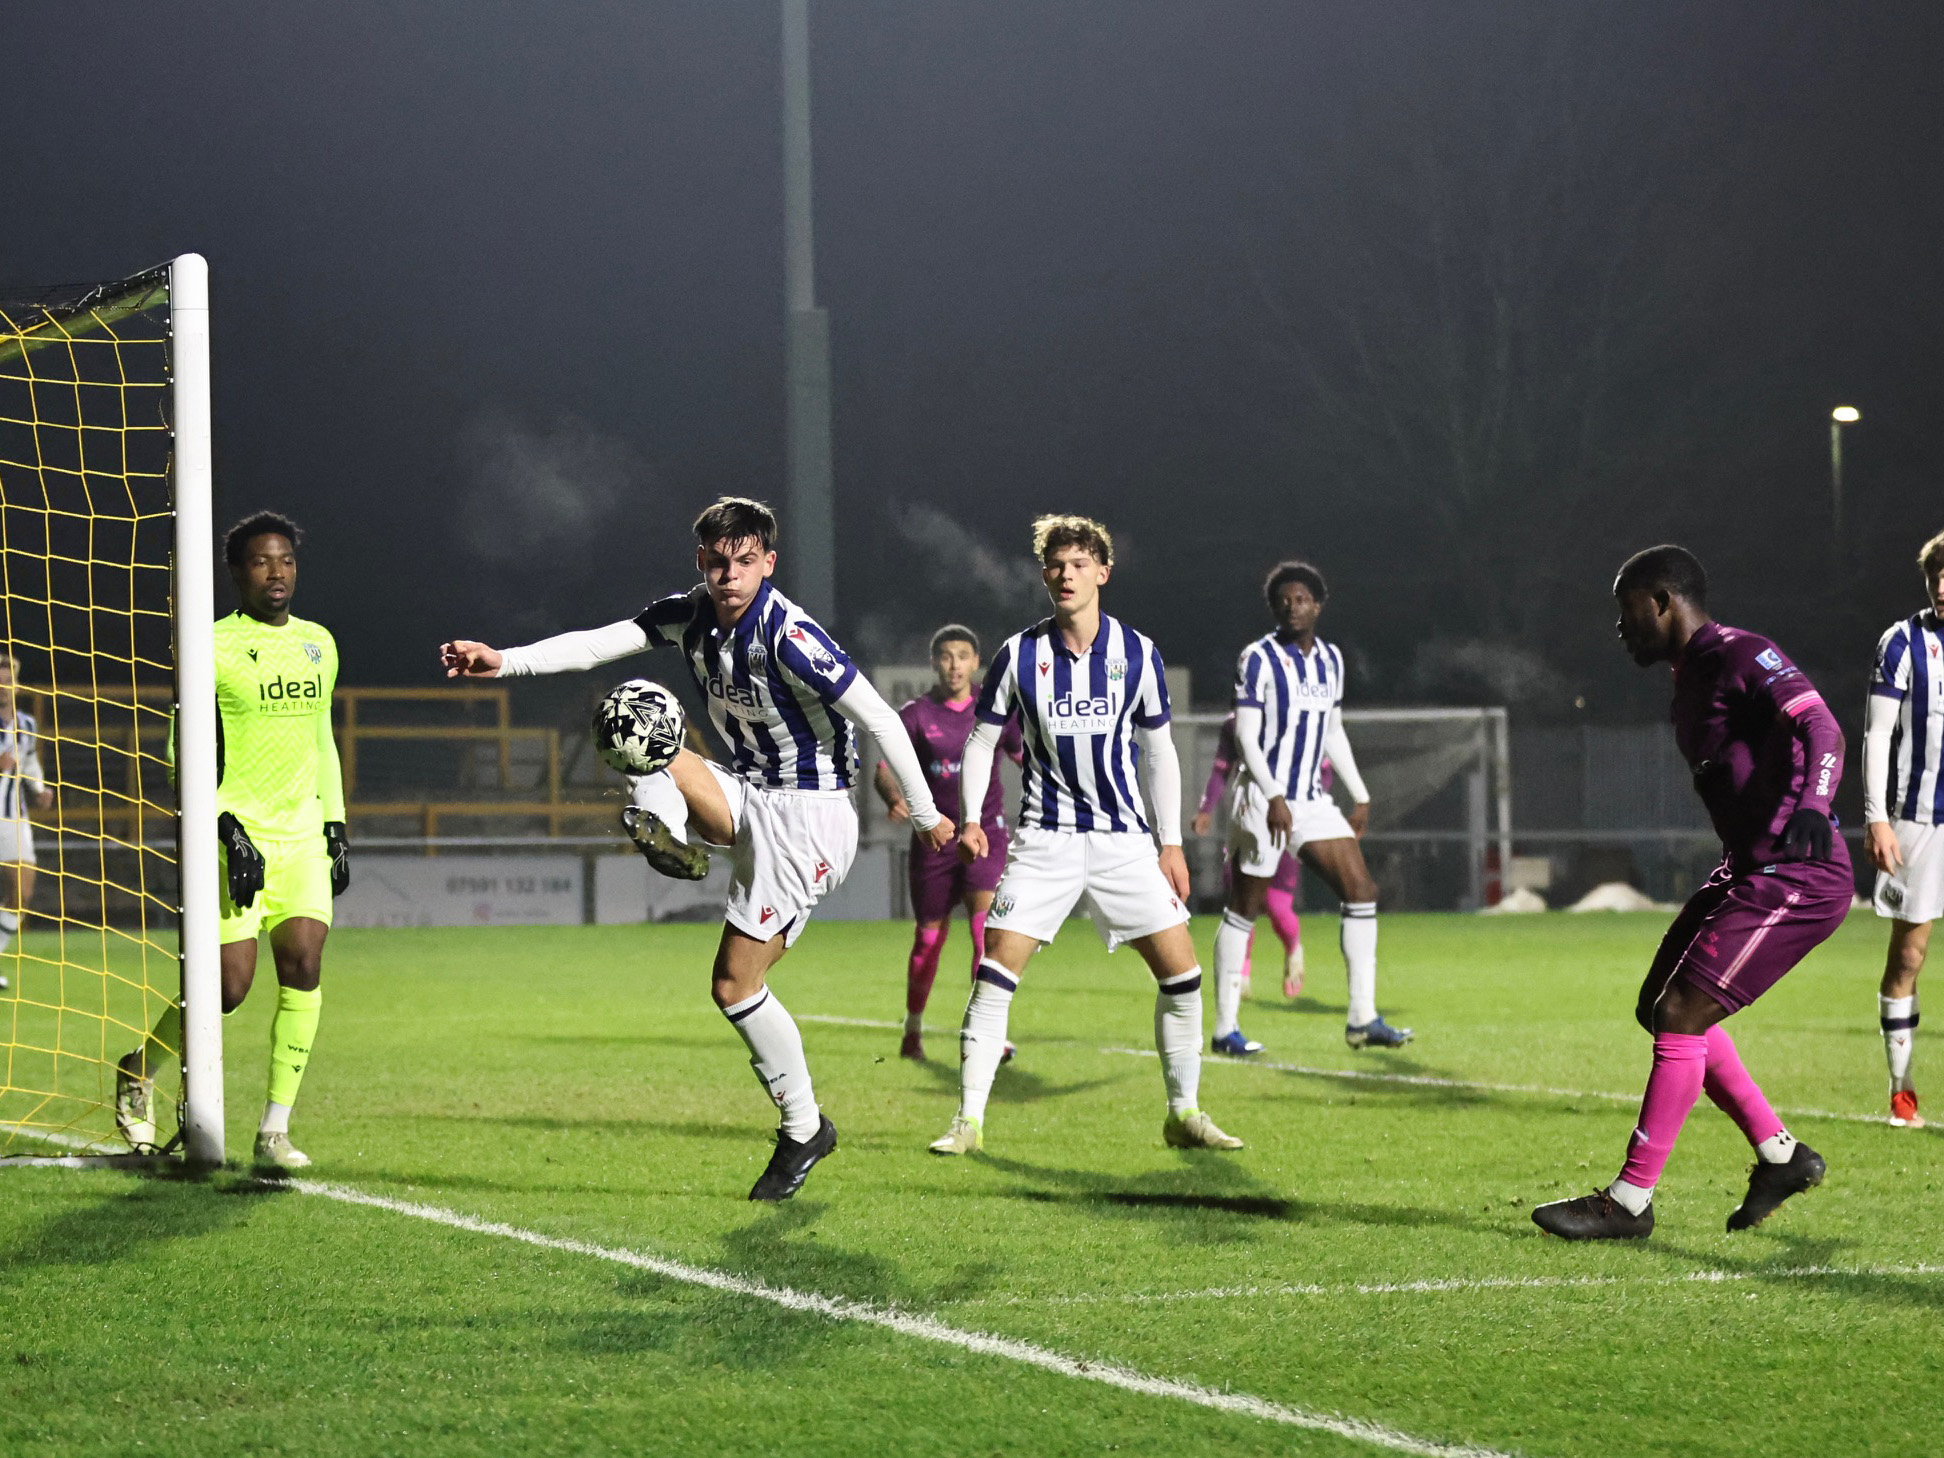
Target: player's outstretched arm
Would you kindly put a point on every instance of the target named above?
(563, 653)
(864, 706)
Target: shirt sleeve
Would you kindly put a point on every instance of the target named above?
(1249, 674)
(330, 774)
(806, 653)
(997, 692)
(1772, 681)
(1890, 676)
(663, 619)
(1152, 711)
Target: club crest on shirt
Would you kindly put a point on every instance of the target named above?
(314, 652)
(758, 658)
(1769, 658)
(1116, 669)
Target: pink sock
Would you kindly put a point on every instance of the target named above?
(1281, 906)
(1680, 1063)
(978, 919)
(926, 945)
(1734, 1092)
(1248, 955)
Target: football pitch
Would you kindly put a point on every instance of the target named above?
(527, 1231)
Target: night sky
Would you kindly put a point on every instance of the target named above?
(1464, 301)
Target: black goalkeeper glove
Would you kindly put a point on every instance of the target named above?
(243, 859)
(337, 840)
(1808, 836)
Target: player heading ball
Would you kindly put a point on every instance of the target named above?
(783, 697)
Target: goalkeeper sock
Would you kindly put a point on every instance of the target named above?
(164, 1040)
(9, 924)
(776, 1053)
(661, 796)
(292, 1032)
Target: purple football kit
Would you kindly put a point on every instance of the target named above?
(939, 879)
(1762, 744)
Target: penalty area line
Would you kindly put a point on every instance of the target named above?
(917, 1325)
(1426, 1080)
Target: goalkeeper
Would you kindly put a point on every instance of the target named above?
(280, 818)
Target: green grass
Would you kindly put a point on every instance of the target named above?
(580, 1084)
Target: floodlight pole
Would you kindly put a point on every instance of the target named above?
(809, 529)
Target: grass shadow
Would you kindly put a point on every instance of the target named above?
(130, 1222)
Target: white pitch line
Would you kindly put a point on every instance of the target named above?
(850, 1022)
(1460, 1283)
(1430, 1081)
(924, 1328)
(62, 1139)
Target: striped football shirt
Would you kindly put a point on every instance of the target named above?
(1077, 714)
(1910, 669)
(1296, 692)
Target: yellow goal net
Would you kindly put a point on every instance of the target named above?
(104, 614)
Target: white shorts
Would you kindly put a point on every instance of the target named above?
(792, 848)
(1253, 852)
(16, 842)
(1115, 874)
(1916, 892)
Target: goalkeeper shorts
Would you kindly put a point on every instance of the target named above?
(296, 882)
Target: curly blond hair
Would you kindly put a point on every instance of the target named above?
(1051, 532)
(1930, 558)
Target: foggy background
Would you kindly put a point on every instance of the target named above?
(1464, 302)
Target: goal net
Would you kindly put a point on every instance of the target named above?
(1440, 783)
(107, 854)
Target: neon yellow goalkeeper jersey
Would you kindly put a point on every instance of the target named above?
(277, 764)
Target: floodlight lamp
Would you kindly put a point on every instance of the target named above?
(1845, 415)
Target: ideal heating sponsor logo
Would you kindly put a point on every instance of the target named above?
(290, 695)
(1073, 714)
(744, 703)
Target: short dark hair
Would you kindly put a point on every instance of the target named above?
(1287, 572)
(953, 633)
(259, 524)
(735, 519)
(1054, 531)
(1674, 570)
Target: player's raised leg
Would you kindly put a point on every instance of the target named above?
(676, 814)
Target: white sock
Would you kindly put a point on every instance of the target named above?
(1899, 1018)
(776, 1053)
(1777, 1148)
(659, 793)
(1358, 938)
(982, 1037)
(1632, 1198)
(914, 1022)
(1231, 950)
(1178, 1037)
(276, 1119)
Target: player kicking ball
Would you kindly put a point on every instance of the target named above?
(1905, 842)
(939, 722)
(280, 820)
(1767, 756)
(1084, 688)
(22, 783)
(783, 697)
(1288, 720)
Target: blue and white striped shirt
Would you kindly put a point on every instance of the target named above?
(1910, 669)
(22, 741)
(1078, 714)
(1296, 692)
(772, 683)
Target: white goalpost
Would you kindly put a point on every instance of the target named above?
(106, 618)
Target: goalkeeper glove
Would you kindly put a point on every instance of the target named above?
(1807, 836)
(337, 840)
(244, 860)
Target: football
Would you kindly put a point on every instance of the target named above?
(638, 727)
